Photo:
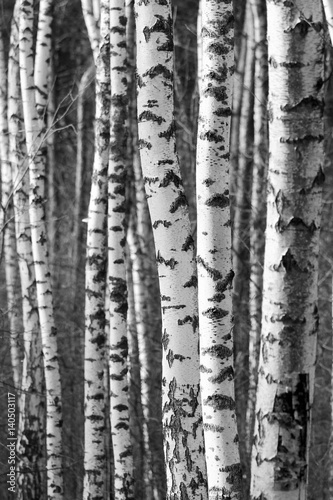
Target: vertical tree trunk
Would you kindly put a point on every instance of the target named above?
(95, 337)
(7, 225)
(290, 313)
(92, 25)
(31, 431)
(258, 204)
(183, 440)
(117, 287)
(215, 273)
(40, 255)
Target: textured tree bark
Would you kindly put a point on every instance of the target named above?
(328, 8)
(183, 440)
(31, 432)
(89, 14)
(117, 287)
(215, 274)
(290, 313)
(7, 224)
(95, 336)
(40, 256)
(258, 204)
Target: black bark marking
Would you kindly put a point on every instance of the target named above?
(165, 162)
(157, 70)
(121, 376)
(170, 358)
(218, 200)
(208, 182)
(189, 243)
(213, 273)
(169, 263)
(149, 116)
(169, 132)
(144, 144)
(164, 223)
(224, 374)
(215, 313)
(211, 136)
(220, 402)
(223, 112)
(150, 180)
(203, 369)
(307, 102)
(305, 138)
(171, 178)
(192, 282)
(289, 262)
(162, 25)
(120, 407)
(319, 179)
(235, 476)
(180, 201)
(165, 297)
(187, 319)
(218, 351)
(218, 48)
(165, 339)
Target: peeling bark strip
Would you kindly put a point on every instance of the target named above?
(182, 422)
(95, 336)
(214, 250)
(40, 255)
(290, 318)
(117, 288)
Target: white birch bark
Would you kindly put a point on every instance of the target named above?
(95, 337)
(290, 313)
(51, 157)
(40, 255)
(183, 440)
(117, 287)
(258, 206)
(215, 273)
(31, 432)
(328, 9)
(92, 26)
(7, 226)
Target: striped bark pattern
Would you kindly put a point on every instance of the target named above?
(258, 205)
(117, 287)
(7, 223)
(40, 255)
(290, 314)
(31, 432)
(215, 273)
(95, 336)
(182, 424)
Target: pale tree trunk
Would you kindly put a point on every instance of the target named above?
(215, 273)
(117, 287)
(92, 24)
(199, 46)
(95, 337)
(40, 256)
(182, 425)
(328, 8)
(7, 225)
(77, 222)
(258, 205)
(290, 313)
(51, 158)
(31, 433)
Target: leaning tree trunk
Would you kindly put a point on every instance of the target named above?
(95, 336)
(215, 273)
(182, 417)
(117, 287)
(40, 255)
(290, 313)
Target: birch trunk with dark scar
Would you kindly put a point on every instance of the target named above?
(95, 338)
(31, 432)
(182, 417)
(40, 255)
(258, 204)
(117, 287)
(7, 224)
(215, 273)
(280, 454)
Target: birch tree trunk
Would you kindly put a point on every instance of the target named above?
(215, 273)
(183, 440)
(95, 337)
(31, 432)
(290, 313)
(258, 204)
(7, 226)
(89, 15)
(117, 287)
(40, 256)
